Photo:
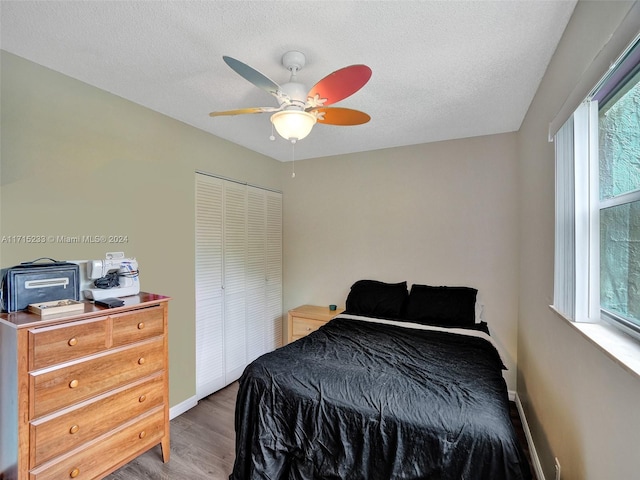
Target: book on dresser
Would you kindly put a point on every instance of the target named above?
(83, 392)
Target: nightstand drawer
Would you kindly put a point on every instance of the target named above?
(61, 343)
(137, 325)
(304, 326)
(93, 461)
(56, 388)
(59, 433)
(308, 318)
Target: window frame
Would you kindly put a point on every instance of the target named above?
(578, 204)
(611, 90)
(610, 317)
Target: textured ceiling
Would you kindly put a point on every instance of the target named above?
(441, 69)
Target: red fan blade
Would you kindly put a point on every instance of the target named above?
(340, 116)
(241, 111)
(338, 85)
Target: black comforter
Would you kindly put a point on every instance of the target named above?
(362, 400)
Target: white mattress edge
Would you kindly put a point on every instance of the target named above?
(419, 326)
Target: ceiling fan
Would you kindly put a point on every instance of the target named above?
(299, 109)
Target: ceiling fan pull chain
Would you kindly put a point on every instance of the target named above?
(293, 159)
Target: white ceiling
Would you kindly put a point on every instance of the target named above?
(441, 69)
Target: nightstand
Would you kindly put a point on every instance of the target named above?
(308, 318)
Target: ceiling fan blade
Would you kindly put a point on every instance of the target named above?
(253, 76)
(338, 85)
(242, 111)
(340, 116)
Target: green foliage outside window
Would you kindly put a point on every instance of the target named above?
(619, 156)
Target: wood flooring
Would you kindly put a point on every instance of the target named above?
(203, 443)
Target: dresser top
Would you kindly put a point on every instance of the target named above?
(25, 319)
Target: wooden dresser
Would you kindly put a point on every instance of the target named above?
(83, 393)
(308, 318)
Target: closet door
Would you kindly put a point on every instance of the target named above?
(234, 281)
(264, 272)
(273, 261)
(210, 374)
(256, 273)
(238, 279)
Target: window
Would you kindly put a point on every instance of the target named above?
(619, 194)
(597, 265)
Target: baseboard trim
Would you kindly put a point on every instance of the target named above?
(535, 460)
(182, 407)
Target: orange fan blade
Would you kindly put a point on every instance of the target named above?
(341, 116)
(241, 111)
(338, 85)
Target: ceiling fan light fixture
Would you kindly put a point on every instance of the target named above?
(293, 125)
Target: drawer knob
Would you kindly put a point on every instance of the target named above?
(74, 429)
(141, 361)
(74, 383)
(142, 398)
(74, 473)
(140, 325)
(72, 341)
(142, 434)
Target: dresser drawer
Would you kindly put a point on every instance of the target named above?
(304, 326)
(107, 452)
(55, 388)
(137, 325)
(64, 431)
(61, 343)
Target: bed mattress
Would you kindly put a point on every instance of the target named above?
(364, 398)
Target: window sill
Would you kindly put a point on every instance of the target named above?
(620, 347)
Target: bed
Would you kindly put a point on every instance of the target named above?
(403, 385)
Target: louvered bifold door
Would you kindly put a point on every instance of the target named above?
(274, 271)
(238, 279)
(210, 375)
(256, 273)
(234, 283)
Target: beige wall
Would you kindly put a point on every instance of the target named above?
(76, 160)
(441, 214)
(79, 161)
(582, 407)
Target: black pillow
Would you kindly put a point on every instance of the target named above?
(442, 306)
(377, 299)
